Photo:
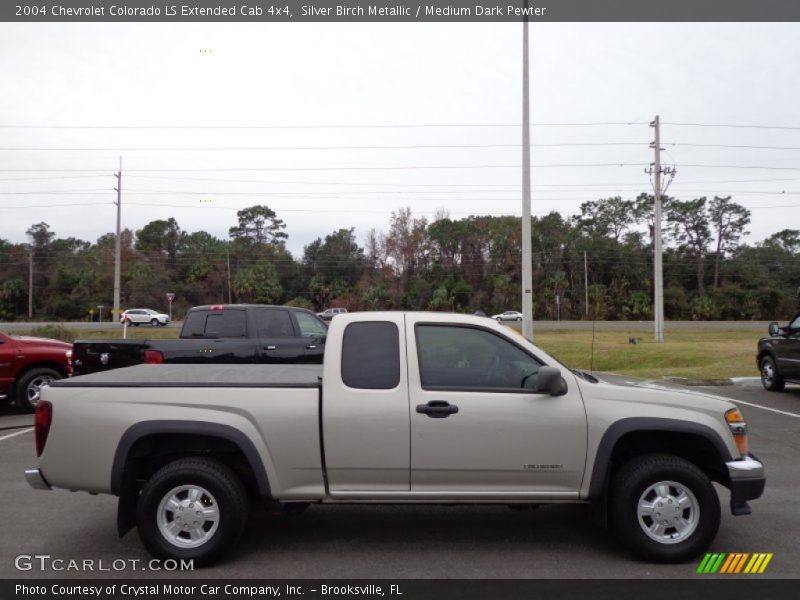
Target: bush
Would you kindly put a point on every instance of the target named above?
(54, 332)
(300, 303)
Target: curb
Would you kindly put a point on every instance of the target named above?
(698, 382)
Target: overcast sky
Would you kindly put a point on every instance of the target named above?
(460, 81)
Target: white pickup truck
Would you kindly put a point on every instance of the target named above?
(407, 408)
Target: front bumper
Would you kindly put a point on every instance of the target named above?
(747, 481)
(36, 480)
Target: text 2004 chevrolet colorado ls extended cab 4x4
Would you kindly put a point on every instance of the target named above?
(409, 408)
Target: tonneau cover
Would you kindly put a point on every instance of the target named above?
(210, 375)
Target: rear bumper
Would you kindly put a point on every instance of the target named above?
(36, 480)
(747, 481)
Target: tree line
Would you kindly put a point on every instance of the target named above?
(441, 263)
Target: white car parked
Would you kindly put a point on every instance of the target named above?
(138, 316)
(509, 315)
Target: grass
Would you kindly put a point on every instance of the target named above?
(692, 353)
(114, 333)
(699, 353)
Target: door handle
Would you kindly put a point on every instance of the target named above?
(310, 347)
(437, 409)
(270, 347)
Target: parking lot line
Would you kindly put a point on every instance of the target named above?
(16, 433)
(775, 410)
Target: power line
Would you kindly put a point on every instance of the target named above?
(304, 148)
(733, 126)
(350, 126)
(370, 168)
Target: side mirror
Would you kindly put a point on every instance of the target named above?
(549, 381)
(774, 328)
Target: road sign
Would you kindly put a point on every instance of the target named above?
(170, 297)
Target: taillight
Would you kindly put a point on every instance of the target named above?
(153, 357)
(217, 307)
(738, 428)
(41, 424)
(69, 362)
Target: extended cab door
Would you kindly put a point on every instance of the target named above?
(221, 336)
(365, 420)
(478, 426)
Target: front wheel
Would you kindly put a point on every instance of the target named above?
(770, 378)
(663, 508)
(29, 387)
(192, 509)
(154, 322)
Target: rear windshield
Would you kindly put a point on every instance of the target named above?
(215, 324)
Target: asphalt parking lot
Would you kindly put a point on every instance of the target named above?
(393, 542)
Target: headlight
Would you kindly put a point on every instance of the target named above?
(738, 428)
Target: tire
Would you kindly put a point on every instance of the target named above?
(519, 319)
(154, 322)
(770, 377)
(498, 319)
(215, 485)
(134, 324)
(26, 392)
(649, 479)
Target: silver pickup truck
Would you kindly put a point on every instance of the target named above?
(406, 408)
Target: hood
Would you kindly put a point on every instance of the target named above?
(24, 339)
(653, 392)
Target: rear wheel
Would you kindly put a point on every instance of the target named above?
(29, 387)
(663, 508)
(770, 378)
(192, 509)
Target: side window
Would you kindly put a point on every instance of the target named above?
(274, 323)
(371, 355)
(310, 327)
(468, 358)
(795, 325)
(226, 324)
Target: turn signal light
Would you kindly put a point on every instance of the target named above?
(738, 428)
(41, 424)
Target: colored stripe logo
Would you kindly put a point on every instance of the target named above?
(734, 563)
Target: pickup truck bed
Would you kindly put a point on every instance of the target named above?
(202, 376)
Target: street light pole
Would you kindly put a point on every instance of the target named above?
(527, 254)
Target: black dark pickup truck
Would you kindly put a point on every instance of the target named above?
(224, 333)
(779, 355)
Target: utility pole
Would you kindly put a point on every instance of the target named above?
(586, 281)
(30, 284)
(118, 244)
(658, 272)
(228, 249)
(527, 254)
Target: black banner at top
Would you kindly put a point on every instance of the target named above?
(543, 11)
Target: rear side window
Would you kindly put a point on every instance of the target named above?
(222, 324)
(371, 356)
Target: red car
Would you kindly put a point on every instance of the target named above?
(27, 364)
